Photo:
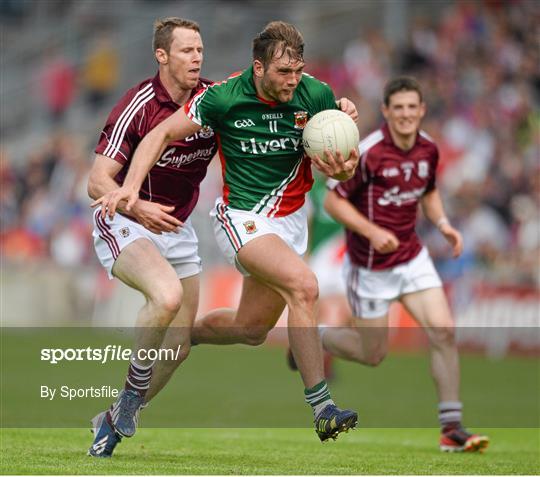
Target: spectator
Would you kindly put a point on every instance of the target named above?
(100, 72)
(57, 81)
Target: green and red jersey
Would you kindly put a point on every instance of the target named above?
(264, 166)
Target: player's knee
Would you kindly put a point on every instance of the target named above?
(169, 306)
(255, 335)
(167, 302)
(443, 336)
(305, 288)
(376, 357)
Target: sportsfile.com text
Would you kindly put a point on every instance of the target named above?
(109, 353)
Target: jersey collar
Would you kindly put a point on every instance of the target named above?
(162, 94)
(247, 81)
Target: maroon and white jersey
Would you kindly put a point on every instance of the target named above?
(176, 177)
(386, 188)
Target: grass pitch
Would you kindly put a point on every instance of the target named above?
(237, 410)
(266, 451)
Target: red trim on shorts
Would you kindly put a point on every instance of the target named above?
(106, 235)
(228, 224)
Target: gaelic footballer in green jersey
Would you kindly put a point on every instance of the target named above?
(258, 117)
(264, 167)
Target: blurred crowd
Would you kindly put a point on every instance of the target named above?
(44, 212)
(479, 64)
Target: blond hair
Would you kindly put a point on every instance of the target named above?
(163, 29)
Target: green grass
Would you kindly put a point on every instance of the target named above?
(239, 410)
(238, 386)
(266, 451)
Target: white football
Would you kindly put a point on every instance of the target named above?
(332, 130)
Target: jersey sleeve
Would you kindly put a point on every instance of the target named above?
(347, 188)
(121, 134)
(208, 106)
(433, 170)
(325, 99)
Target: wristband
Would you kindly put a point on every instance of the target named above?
(442, 221)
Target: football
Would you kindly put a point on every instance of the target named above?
(332, 130)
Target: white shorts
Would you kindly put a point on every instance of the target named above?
(234, 228)
(370, 292)
(327, 264)
(179, 249)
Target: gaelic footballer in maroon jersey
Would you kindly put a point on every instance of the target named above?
(385, 260)
(175, 178)
(153, 247)
(386, 188)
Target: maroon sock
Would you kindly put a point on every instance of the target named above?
(138, 378)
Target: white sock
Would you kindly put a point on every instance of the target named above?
(317, 409)
(449, 412)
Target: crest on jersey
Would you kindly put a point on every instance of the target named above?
(423, 168)
(300, 119)
(250, 227)
(206, 132)
(124, 232)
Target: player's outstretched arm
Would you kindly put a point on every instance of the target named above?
(101, 177)
(155, 217)
(433, 209)
(175, 127)
(382, 240)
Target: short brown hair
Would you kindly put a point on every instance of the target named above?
(164, 27)
(276, 39)
(401, 83)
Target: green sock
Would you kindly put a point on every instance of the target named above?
(318, 397)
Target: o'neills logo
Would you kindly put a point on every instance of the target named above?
(250, 227)
(300, 119)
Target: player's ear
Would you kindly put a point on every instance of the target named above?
(422, 109)
(161, 56)
(258, 68)
(384, 110)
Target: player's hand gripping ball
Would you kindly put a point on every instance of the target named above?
(331, 130)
